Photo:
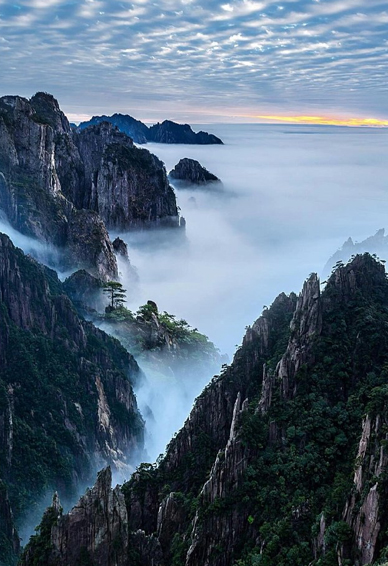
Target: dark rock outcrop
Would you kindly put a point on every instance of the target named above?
(120, 247)
(85, 291)
(166, 132)
(135, 129)
(191, 171)
(171, 132)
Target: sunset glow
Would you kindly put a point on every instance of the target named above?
(324, 120)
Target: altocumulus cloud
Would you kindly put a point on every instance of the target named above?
(197, 59)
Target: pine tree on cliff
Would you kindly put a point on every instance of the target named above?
(116, 294)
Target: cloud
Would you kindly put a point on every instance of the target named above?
(261, 53)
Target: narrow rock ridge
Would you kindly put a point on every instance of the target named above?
(306, 324)
(363, 511)
(225, 529)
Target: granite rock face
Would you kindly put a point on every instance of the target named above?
(67, 404)
(287, 421)
(191, 171)
(128, 186)
(85, 291)
(363, 511)
(100, 515)
(66, 187)
(31, 192)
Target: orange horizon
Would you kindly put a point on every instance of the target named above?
(326, 121)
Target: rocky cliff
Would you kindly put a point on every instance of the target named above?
(283, 458)
(191, 171)
(66, 400)
(30, 188)
(126, 185)
(66, 188)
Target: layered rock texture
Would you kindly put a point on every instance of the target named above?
(166, 132)
(191, 171)
(68, 188)
(66, 400)
(283, 457)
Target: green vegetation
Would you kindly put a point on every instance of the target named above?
(306, 469)
(116, 294)
(48, 392)
(149, 330)
(300, 454)
(39, 546)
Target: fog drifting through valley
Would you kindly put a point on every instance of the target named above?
(292, 196)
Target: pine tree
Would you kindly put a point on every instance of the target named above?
(116, 294)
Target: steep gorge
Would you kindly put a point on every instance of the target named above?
(283, 457)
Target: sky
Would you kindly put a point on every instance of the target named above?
(200, 60)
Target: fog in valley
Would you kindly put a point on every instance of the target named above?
(291, 196)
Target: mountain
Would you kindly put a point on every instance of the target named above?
(66, 392)
(283, 459)
(166, 132)
(191, 171)
(376, 244)
(171, 132)
(67, 188)
(125, 123)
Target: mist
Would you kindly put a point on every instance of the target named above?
(291, 196)
(42, 252)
